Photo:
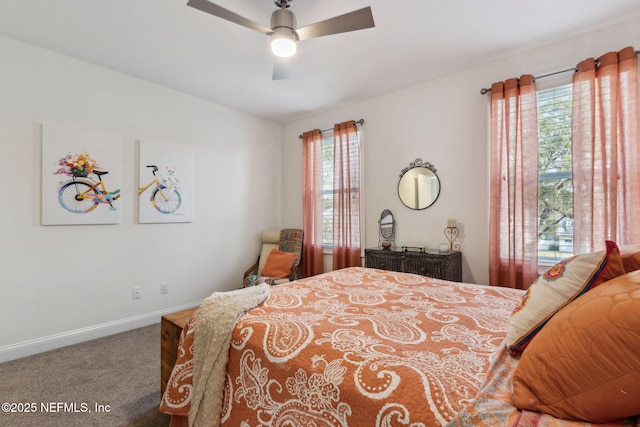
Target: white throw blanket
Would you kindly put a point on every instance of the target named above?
(214, 325)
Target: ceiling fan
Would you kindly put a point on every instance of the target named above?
(283, 32)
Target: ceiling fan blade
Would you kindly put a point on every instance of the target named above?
(223, 13)
(352, 21)
(281, 68)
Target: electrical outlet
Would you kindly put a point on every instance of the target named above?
(164, 287)
(137, 292)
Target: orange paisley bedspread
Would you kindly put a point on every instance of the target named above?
(357, 347)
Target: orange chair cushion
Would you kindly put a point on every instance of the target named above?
(630, 257)
(278, 264)
(554, 289)
(585, 363)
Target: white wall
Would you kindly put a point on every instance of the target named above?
(443, 122)
(63, 284)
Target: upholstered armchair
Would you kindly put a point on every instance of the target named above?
(279, 260)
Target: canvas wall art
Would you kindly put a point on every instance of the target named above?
(80, 176)
(165, 192)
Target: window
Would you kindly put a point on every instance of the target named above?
(327, 189)
(555, 187)
(329, 193)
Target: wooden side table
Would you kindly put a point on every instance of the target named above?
(171, 328)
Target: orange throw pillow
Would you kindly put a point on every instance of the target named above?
(630, 257)
(554, 289)
(585, 363)
(278, 264)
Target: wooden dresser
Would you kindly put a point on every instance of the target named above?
(171, 328)
(431, 263)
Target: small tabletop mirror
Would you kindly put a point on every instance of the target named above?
(387, 226)
(419, 186)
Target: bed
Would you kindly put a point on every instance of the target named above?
(357, 347)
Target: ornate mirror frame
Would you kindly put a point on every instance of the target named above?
(387, 230)
(419, 185)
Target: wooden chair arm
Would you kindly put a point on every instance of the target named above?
(252, 270)
(295, 273)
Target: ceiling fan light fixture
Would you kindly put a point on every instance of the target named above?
(284, 32)
(283, 42)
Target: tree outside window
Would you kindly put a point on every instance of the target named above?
(555, 187)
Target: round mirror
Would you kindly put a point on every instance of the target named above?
(419, 186)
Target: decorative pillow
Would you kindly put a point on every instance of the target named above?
(630, 257)
(585, 363)
(560, 285)
(278, 264)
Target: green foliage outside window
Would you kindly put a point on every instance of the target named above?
(555, 189)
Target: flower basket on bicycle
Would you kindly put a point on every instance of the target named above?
(77, 166)
(79, 173)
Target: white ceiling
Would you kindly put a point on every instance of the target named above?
(179, 47)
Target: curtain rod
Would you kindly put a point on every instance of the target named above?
(359, 122)
(486, 90)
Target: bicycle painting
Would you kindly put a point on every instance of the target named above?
(82, 194)
(165, 183)
(165, 197)
(81, 177)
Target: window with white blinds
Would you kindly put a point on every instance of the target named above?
(555, 187)
(330, 191)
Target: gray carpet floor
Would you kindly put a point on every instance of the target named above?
(111, 381)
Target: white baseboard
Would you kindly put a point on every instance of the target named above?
(51, 342)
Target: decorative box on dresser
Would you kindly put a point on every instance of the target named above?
(171, 328)
(426, 262)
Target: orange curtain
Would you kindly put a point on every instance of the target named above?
(606, 163)
(312, 261)
(513, 228)
(346, 196)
